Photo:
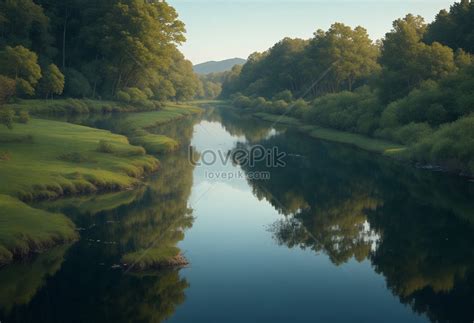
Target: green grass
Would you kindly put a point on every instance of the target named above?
(48, 164)
(139, 127)
(360, 141)
(24, 230)
(45, 160)
(286, 120)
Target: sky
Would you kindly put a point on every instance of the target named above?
(222, 29)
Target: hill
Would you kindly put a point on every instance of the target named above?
(217, 66)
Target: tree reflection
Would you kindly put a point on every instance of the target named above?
(406, 222)
(140, 228)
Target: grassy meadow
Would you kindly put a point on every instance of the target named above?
(46, 160)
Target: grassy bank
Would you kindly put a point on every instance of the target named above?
(360, 141)
(363, 142)
(46, 160)
(139, 127)
(25, 230)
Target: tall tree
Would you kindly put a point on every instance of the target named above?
(407, 61)
(21, 64)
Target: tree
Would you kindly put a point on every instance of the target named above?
(21, 64)
(7, 89)
(350, 52)
(52, 81)
(24, 23)
(407, 61)
(454, 28)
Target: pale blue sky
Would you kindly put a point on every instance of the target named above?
(220, 29)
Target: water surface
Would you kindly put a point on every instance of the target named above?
(338, 235)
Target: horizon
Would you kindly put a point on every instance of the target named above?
(215, 31)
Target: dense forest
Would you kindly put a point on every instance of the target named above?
(110, 49)
(415, 86)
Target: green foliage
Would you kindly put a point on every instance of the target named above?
(25, 230)
(345, 56)
(76, 84)
(454, 28)
(411, 133)
(101, 49)
(105, 147)
(123, 96)
(451, 146)
(21, 64)
(7, 89)
(7, 117)
(23, 117)
(52, 81)
(286, 96)
(407, 61)
(357, 111)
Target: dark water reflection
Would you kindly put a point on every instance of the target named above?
(337, 235)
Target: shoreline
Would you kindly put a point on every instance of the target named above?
(101, 162)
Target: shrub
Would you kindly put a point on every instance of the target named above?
(136, 94)
(286, 96)
(279, 106)
(76, 84)
(7, 89)
(105, 147)
(412, 133)
(123, 96)
(6, 117)
(452, 145)
(23, 117)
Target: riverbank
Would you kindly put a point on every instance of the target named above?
(47, 160)
(363, 142)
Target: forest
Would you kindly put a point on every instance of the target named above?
(413, 87)
(115, 50)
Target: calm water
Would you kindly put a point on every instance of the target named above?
(338, 235)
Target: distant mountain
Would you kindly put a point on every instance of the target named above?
(216, 67)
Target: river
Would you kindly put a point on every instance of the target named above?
(333, 235)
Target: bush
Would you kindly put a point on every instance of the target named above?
(75, 106)
(105, 147)
(6, 117)
(286, 96)
(123, 96)
(76, 84)
(451, 146)
(7, 89)
(412, 133)
(136, 94)
(23, 117)
(279, 107)
(357, 111)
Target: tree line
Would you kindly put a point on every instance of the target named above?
(414, 86)
(111, 49)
